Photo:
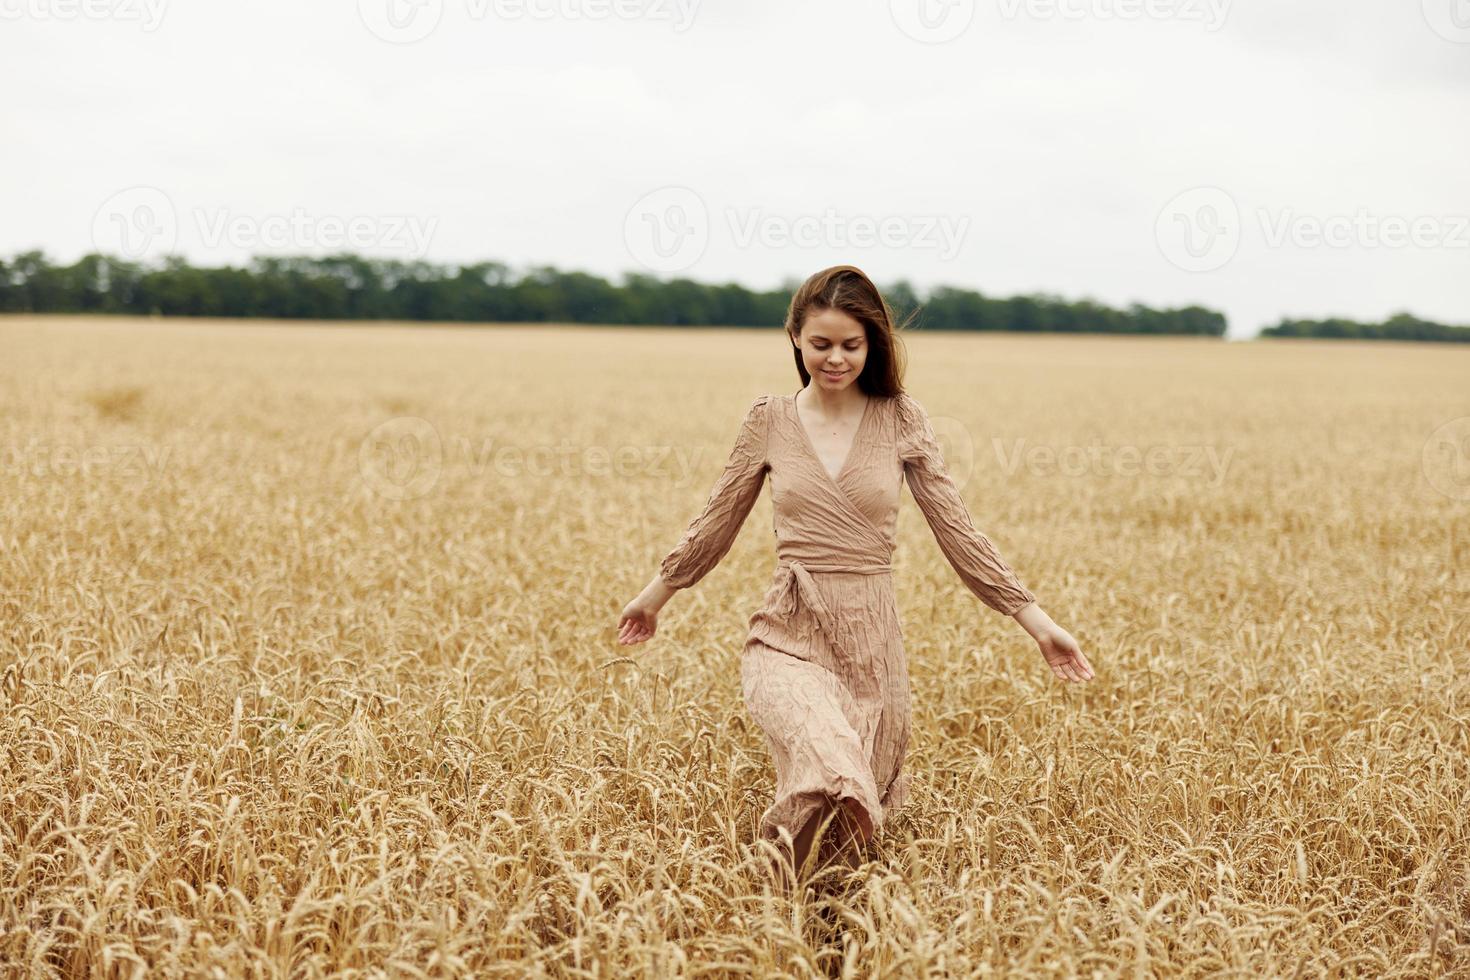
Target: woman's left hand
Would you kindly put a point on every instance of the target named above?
(1064, 655)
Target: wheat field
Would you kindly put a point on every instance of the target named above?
(308, 661)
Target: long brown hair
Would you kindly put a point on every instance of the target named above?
(848, 289)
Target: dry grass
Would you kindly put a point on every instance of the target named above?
(263, 718)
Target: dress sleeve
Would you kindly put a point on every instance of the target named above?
(710, 535)
(973, 556)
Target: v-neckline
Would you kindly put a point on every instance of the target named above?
(852, 449)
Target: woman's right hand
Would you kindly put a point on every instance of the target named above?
(638, 623)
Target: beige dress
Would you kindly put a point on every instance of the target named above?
(823, 671)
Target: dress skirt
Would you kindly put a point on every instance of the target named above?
(828, 684)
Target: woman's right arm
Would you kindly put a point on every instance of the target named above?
(708, 537)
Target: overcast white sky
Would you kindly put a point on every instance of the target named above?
(1261, 157)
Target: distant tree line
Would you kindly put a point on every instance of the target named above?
(350, 287)
(1401, 326)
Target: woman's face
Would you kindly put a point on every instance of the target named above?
(833, 348)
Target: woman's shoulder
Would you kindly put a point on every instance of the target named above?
(911, 424)
(907, 409)
(758, 415)
(761, 405)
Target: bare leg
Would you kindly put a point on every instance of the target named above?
(808, 836)
(834, 833)
(787, 871)
(845, 842)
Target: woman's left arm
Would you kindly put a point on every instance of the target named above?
(1061, 651)
(972, 555)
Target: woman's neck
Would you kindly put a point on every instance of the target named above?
(834, 404)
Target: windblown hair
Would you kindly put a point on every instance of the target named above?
(848, 289)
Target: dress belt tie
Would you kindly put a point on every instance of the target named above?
(799, 583)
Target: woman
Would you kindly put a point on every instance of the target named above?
(823, 670)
